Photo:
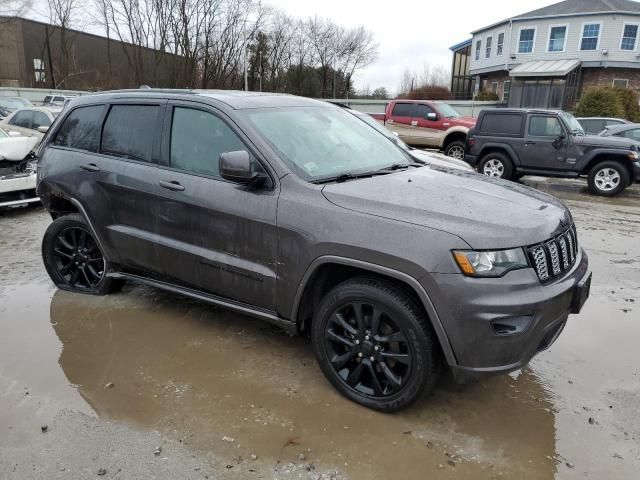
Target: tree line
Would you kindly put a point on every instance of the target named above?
(214, 42)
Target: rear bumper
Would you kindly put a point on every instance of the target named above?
(477, 315)
(471, 159)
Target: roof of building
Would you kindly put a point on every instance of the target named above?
(461, 45)
(569, 8)
(545, 68)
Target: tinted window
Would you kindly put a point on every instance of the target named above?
(422, 111)
(592, 126)
(544, 127)
(22, 119)
(129, 130)
(501, 124)
(198, 139)
(633, 134)
(40, 119)
(81, 129)
(403, 110)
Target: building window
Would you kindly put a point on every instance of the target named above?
(629, 37)
(488, 47)
(500, 45)
(506, 90)
(590, 36)
(620, 83)
(478, 47)
(557, 38)
(38, 70)
(527, 37)
(494, 87)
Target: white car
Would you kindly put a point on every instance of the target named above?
(17, 172)
(31, 121)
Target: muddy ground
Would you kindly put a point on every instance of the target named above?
(145, 384)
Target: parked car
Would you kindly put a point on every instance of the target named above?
(508, 143)
(424, 123)
(33, 121)
(627, 130)
(57, 100)
(595, 125)
(11, 104)
(17, 169)
(296, 212)
(434, 159)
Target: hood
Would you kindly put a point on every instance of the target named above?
(485, 212)
(609, 142)
(464, 121)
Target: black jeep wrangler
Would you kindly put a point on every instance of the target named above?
(511, 143)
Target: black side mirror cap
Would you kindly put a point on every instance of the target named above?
(236, 167)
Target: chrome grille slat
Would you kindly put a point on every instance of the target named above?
(555, 256)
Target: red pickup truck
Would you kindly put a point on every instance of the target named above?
(425, 123)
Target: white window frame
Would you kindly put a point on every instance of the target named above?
(566, 36)
(504, 90)
(581, 37)
(488, 47)
(635, 45)
(500, 53)
(478, 50)
(533, 46)
(613, 83)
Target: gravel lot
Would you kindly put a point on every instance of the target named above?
(145, 384)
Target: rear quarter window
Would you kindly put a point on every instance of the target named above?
(81, 129)
(507, 124)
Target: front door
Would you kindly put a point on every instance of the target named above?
(213, 235)
(545, 146)
(427, 127)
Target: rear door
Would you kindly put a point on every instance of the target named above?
(214, 235)
(426, 131)
(543, 146)
(400, 119)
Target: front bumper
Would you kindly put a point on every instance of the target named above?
(478, 313)
(18, 189)
(636, 171)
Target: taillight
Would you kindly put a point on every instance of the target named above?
(471, 142)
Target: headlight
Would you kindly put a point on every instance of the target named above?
(490, 263)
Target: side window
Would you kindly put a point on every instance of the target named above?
(501, 124)
(40, 119)
(422, 111)
(22, 119)
(633, 134)
(129, 130)
(198, 139)
(544, 126)
(402, 110)
(81, 129)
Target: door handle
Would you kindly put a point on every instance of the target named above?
(172, 185)
(414, 123)
(529, 143)
(90, 167)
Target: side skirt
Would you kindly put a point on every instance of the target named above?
(267, 315)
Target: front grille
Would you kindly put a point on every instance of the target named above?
(553, 257)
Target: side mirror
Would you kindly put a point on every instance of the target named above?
(558, 141)
(432, 116)
(43, 129)
(236, 167)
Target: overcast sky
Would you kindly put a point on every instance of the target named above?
(410, 32)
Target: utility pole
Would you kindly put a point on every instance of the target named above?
(335, 54)
(246, 78)
(260, 66)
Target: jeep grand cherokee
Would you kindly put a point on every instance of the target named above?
(296, 212)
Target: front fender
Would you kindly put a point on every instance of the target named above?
(597, 154)
(452, 130)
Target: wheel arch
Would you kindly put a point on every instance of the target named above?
(454, 135)
(327, 271)
(499, 148)
(604, 156)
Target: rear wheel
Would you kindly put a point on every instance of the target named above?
(455, 150)
(375, 345)
(73, 258)
(608, 178)
(497, 165)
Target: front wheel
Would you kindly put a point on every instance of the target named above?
(455, 150)
(73, 258)
(496, 165)
(608, 178)
(375, 345)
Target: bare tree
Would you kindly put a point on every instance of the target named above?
(14, 8)
(62, 14)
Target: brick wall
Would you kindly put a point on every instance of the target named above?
(604, 77)
(489, 79)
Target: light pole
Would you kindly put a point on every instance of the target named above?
(244, 34)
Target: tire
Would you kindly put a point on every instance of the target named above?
(343, 349)
(497, 165)
(455, 150)
(68, 240)
(608, 178)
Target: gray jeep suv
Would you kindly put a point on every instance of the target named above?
(296, 212)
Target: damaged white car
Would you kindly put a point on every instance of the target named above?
(17, 169)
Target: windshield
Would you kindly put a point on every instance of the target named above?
(325, 142)
(447, 110)
(572, 123)
(11, 103)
